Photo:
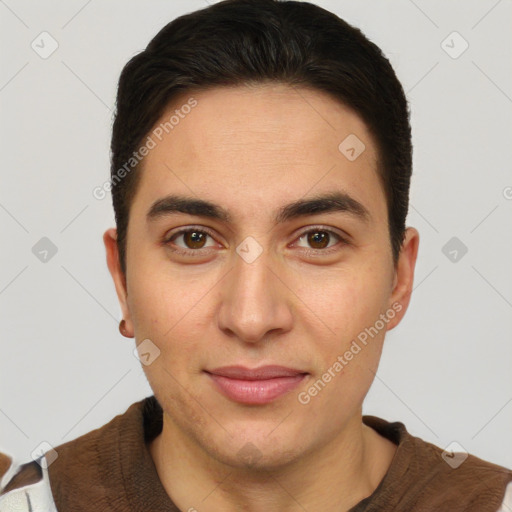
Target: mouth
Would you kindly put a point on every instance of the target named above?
(255, 386)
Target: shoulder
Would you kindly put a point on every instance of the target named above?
(25, 487)
(452, 477)
(80, 473)
(423, 476)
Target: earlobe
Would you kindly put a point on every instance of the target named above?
(404, 276)
(114, 266)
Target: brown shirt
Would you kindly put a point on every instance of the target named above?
(111, 469)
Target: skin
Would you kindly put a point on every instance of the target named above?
(252, 150)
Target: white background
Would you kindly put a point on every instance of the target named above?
(65, 369)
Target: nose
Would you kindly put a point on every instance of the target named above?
(255, 302)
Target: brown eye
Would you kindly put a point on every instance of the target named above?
(318, 239)
(194, 239)
(189, 241)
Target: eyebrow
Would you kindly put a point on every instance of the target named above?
(323, 203)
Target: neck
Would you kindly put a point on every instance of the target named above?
(334, 477)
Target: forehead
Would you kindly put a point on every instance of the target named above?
(271, 114)
(263, 143)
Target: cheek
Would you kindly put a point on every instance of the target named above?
(158, 299)
(345, 300)
(172, 312)
(350, 304)
(345, 377)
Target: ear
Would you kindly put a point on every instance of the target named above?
(114, 266)
(404, 277)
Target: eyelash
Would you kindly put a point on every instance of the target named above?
(315, 252)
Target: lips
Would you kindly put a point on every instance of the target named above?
(255, 385)
(261, 373)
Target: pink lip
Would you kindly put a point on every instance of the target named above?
(257, 385)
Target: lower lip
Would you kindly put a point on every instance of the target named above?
(256, 391)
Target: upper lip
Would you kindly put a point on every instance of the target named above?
(263, 372)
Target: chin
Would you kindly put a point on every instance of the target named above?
(252, 458)
(256, 450)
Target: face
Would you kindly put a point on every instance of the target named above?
(252, 283)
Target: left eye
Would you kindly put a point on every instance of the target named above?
(320, 238)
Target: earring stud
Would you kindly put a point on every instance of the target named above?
(122, 328)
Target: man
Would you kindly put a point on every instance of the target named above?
(261, 161)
